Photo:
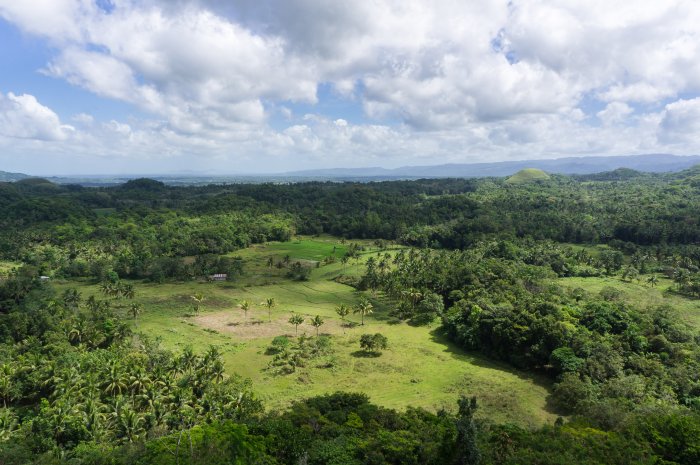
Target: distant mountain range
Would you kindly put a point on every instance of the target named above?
(654, 163)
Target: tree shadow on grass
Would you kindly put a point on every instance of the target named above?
(365, 354)
(439, 335)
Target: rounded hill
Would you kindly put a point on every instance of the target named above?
(527, 175)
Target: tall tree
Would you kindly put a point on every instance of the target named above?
(342, 310)
(364, 308)
(270, 304)
(296, 320)
(245, 306)
(198, 299)
(135, 310)
(317, 322)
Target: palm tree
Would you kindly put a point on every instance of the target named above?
(365, 307)
(72, 298)
(131, 424)
(128, 291)
(270, 304)
(114, 380)
(6, 385)
(317, 322)
(296, 320)
(245, 306)
(198, 299)
(135, 311)
(342, 310)
(77, 332)
(653, 280)
(139, 381)
(106, 288)
(681, 277)
(415, 295)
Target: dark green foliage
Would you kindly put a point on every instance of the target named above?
(75, 387)
(607, 357)
(373, 343)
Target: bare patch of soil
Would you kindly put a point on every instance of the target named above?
(257, 326)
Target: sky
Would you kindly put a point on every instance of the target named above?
(262, 86)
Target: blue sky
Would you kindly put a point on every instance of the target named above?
(155, 86)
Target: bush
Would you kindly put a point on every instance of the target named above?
(373, 343)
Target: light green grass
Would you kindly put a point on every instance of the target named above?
(420, 368)
(6, 267)
(527, 175)
(642, 295)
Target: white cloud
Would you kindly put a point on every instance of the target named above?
(22, 116)
(614, 113)
(680, 123)
(453, 79)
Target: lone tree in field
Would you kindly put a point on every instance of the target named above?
(270, 304)
(365, 307)
(653, 280)
(317, 322)
(245, 306)
(198, 299)
(135, 311)
(342, 310)
(373, 343)
(296, 320)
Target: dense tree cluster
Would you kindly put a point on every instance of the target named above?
(609, 358)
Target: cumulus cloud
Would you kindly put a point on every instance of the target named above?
(680, 122)
(614, 113)
(23, 117)
(458, 80)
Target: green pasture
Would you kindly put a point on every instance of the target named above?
(420, 368)
(642, 295)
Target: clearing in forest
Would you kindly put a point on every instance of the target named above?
(420, 368)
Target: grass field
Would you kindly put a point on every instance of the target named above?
(420, 368)
(6, 267)
(642, 295)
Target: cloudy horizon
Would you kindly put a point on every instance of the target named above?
(154, 86)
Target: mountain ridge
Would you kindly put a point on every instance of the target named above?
(652, 163)
(649, 163)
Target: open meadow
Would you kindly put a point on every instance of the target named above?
(642, 295)
(420, 368)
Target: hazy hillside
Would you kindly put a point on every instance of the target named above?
(6, 176)
(656, 163)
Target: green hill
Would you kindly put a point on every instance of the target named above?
(527, 175)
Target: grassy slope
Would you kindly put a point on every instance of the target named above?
(527, 175)
(420, 368)
(642, 295)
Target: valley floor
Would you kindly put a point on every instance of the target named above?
(421, 368)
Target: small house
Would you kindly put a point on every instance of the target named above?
(218, 277)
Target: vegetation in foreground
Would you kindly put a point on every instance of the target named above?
(491, 268)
